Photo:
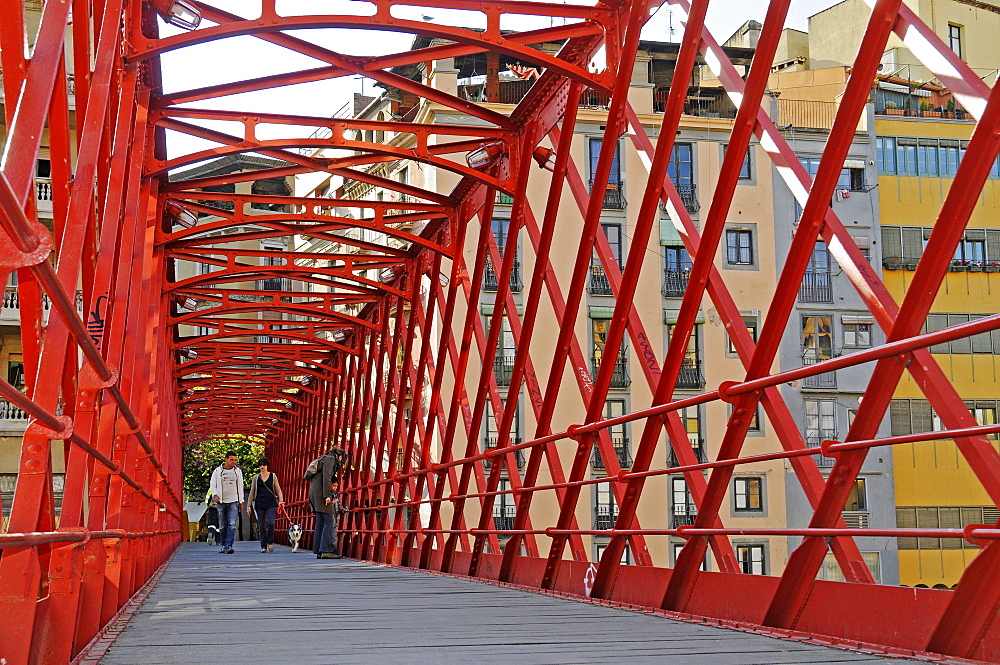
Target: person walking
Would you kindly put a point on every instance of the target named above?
(227, 494)
(265, 497)
(321, 474)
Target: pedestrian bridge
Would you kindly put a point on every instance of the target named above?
(205, 607)
(561, 280)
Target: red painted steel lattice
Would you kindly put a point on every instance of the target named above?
(329, 346)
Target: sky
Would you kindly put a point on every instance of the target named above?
(247, 57)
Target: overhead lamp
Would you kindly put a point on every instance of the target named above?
(185, 301)
(187, 352)
(386, 275)
(339, 336)
(545, 158)
(484, 155)
(189, 391)
(306, 380)
(182, 14)
(180, 215)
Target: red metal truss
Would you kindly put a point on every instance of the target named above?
(387, 317)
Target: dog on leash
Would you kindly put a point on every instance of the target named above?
(213, 535)
(294, 535)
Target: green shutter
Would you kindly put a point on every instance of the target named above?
(601, 312)
(668, 232)
(486, 309)
(670, 316)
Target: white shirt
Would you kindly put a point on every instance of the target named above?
(227, 484)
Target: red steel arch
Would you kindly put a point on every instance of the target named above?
(368, 329)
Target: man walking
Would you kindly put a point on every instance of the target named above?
(322, 473)
(227, 493)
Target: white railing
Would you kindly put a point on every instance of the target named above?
(10, 312)
(10, 412)
(43, 194)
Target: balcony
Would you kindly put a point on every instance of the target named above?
(503, 368)
(274, 284)
(503, 518)
(10, 312)
(43, 194)
(675, 280)
(490, 443)
(683, 516)
(620, 378)
(490, 282)
(691, 377)
(697, 446)
(814, 438)
(855, 520)
(621, 450)
(614, 195)
(12, 419)
(900, 262)
(821, 381)
(816, 287)
(598, 285)
(605, 516)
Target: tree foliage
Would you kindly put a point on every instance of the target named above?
(201, 459)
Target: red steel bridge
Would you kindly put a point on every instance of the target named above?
(357, 332)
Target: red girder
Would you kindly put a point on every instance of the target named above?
(392, 322)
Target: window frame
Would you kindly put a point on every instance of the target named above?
(748, 547)
(746, 493)
(955, 39)
(735, 232)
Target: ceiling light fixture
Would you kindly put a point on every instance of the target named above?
(545, 158)
(484, 155)
(180, 215)
(181, 14)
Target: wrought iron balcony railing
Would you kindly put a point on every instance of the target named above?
(689, 197)
(605, 516)
(620, 378)
(682, 516)
(503, 367)
(697, 446)
(816, 437)
(675, 280)
(598, 285)
(491, 283)
(824, 380)
(621, 450)
(816, 287)
(614, 195)
(691, 376)
(503, 518)
(490, 443)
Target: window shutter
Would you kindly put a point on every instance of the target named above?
(963, 344)
(921, 416)
(981, 343)
(899, 417)
(892, 244)
(993, 245)
(950, 517)
(927, 518)
(906, 518)
(913, 243)
(937, 322)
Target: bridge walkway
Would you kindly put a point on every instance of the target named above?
(295, 609)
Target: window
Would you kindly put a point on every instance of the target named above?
(613, 232)
(752, 558)
(273, 283)
(681, 168)
(492, 423)
(500, 228)
(745, 172)
(682, 509)
(626, 553)
(606, 510)
(739, 247)
(942, 517)
(955, 39)
(831, 569)
(857, 500)
(816, 285)
(751, 323)
(15, 374)
(857, 335)
(8, 481)
(503, 360)
(595, 154)
(885, 150)
(755, 425)
(677, 270)
(504, 509)
(982, 343)
(817, 338)
(851, 178)
(690, 377)
(675, 551)
(748, 494)
(821, 421)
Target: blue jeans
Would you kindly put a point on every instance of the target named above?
(325, 537)
(265, 526)
(229, 515)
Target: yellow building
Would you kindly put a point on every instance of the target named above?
(917, 159)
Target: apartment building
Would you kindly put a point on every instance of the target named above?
(830, 318)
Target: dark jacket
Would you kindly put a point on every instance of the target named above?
(327, 468)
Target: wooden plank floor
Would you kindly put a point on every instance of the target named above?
(282, 608)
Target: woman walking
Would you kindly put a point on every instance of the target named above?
(265, 497)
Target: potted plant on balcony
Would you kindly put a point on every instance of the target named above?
(958, 265)
(892, 109)
(975, 266)
(991, 266)
(927, 110)
(910, 264)
(892, 263)
(949, 107)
